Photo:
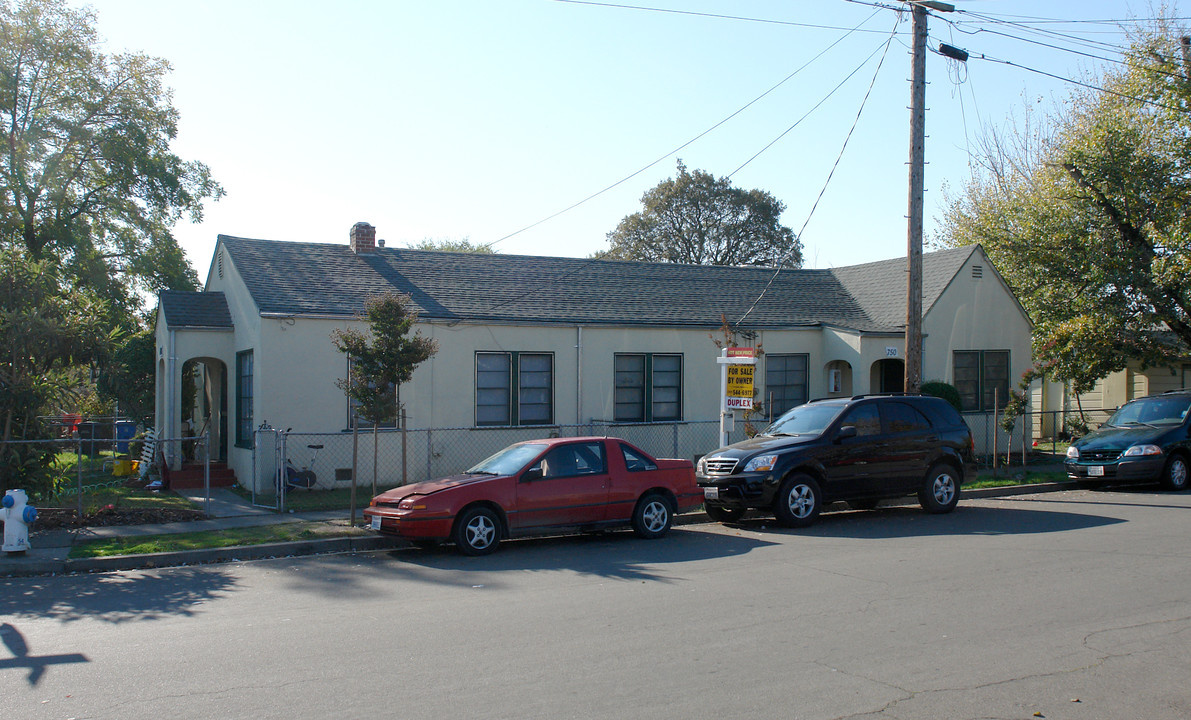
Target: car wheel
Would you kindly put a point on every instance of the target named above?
(719, 513)
(477, 531)
(652, 516)
(940, 490)
(863, 503)
(798, 501)
(1174, 477)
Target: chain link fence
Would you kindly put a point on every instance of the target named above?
(288, 461)
(323, 461)
(59, 472)
(1036, 438)
(108, 452)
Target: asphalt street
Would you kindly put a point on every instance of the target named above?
(1064, 605)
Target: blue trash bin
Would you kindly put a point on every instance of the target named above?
(125, 431)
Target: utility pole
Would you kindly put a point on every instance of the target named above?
(913, 377)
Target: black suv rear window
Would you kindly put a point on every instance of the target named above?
(940, 412)
(900, 417)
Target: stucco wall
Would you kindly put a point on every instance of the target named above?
(975, 314)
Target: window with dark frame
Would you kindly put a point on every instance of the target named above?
(785, 382)
(647, 387)
(514, 388)
(244, 398)
(982, 378)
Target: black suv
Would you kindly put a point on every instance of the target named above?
(1144, 440)
(860, 449)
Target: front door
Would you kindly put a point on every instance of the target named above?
(570, 489)
(893, 376)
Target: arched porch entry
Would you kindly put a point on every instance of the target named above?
(204, 402)
(888, 375)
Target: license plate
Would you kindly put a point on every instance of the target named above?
(711, 493)
(1095, 471)
(375, 522)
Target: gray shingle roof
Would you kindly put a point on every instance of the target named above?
(195, 309)
(318, 278)
(880, 287)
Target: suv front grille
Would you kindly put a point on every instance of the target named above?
(719, 467)
(1099, 455)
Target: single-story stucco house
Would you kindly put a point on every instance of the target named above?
(542, 342)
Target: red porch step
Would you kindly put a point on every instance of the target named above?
(190, 475)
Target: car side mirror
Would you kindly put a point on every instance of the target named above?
(847, 431)
(534, 473)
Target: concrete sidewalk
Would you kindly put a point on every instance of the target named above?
(50, 549)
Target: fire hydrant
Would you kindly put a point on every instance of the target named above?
(18, 515)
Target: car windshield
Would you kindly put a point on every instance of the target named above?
(1152, 411)
(809, 419)
(509, 460)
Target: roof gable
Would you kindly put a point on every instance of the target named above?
(880, 287)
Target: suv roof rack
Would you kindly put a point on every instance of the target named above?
(886, 394)
(843, 398)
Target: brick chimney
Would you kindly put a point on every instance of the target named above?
(362, 238)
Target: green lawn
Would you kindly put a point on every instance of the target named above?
(124, 498)
(314, 500)
(282, 532)
(1014, 476)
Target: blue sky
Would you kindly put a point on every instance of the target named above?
(479, 118)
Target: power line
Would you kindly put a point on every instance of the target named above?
(1031, 20)
(716, 16)
(979, 56)
(671, 153)
(830, 175)
(816, 105)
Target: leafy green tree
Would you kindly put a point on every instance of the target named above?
(43, 332)
(464, 245)
(381, 360)
(87, 175)
(384, 357)
(698, 219)
(126, 374)
(1085, 212)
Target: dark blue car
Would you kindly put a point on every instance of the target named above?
(1145, 440)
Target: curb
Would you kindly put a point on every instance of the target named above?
(1011, 490)
(237, 553)
(300, 548)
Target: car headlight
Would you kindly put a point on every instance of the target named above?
(761, 463)
(1073, 452)
(408, 504)
(701, 468)
(1137, 450)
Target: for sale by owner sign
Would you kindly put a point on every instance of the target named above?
(738, 393)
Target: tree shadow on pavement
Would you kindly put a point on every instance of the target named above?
(115, 597)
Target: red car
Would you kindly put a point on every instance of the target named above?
(541, 487)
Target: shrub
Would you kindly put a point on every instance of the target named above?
(943, 390)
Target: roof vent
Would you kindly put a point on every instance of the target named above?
(977, 272)
(362, 238)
